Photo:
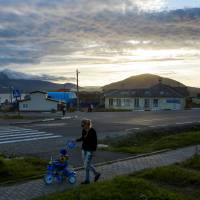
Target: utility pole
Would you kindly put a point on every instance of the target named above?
(77, 90)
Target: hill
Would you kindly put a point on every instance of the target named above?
(28, 83)
(142, 81)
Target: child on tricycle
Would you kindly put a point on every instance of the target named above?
(59, 168)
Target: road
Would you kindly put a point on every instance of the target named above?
(46, 138)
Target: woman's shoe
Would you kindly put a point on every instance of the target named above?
(96, 178)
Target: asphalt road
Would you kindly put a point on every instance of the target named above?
(56, 133)
(118, 123)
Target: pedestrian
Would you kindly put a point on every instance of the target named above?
(91, 107)
(63, 110)
(89, 146)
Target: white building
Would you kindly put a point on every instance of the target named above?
(158, 97)
(38, 101)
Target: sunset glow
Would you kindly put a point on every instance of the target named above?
(107, 43)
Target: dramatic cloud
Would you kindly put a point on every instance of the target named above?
(12, 74)
(44, 34)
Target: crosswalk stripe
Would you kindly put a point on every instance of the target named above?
(11, 132)
(30, 139)
(20, 137)
(24, 135)
(15, 129)
(17, 134)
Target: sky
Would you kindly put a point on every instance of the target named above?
(106, 41)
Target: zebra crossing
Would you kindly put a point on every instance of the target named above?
(11, 134)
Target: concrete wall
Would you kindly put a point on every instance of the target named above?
(37, 102)
(163, 103)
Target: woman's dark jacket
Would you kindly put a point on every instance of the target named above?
(89, 140)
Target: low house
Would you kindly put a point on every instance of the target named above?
(158, 97)
(38, 101)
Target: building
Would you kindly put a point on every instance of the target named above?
(38, 101)
(67, 97)
(88, 98)
(158, 97)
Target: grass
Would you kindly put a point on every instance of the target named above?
(173, 175)
(193, 163)
(19, 168)
(172, 182)
(12, 117)
(19, 117)
(121, 188)
(153, 141)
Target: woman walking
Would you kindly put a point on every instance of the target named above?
(89, 146)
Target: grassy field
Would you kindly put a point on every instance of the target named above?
(19, 168)
(175, 182)
(144, 142)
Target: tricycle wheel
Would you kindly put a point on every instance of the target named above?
(72, 179)
(48, 179)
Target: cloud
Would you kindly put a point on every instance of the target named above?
(83, 31)
(12, 74)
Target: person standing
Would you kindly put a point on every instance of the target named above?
(91, 107)
(63, 110)
(89, 146)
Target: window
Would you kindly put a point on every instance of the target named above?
(110, 102)
(147, 92)
(118, 102)
(25, 105)
(155, 103)
(127, 102)
(136, 103)
(146, 103)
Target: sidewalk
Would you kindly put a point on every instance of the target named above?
(36, 188)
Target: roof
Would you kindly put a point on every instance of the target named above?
(42, 92)
(158, 90)
(47, 99)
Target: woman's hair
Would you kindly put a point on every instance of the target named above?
(87, 122)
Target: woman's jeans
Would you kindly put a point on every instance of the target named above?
(87, 159)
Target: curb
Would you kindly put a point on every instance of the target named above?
(124, 159)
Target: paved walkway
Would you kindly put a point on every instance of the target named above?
(35, 188)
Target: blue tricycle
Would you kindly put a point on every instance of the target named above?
(59, 170)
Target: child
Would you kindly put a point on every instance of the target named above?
(63, 156)
(62, 161)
